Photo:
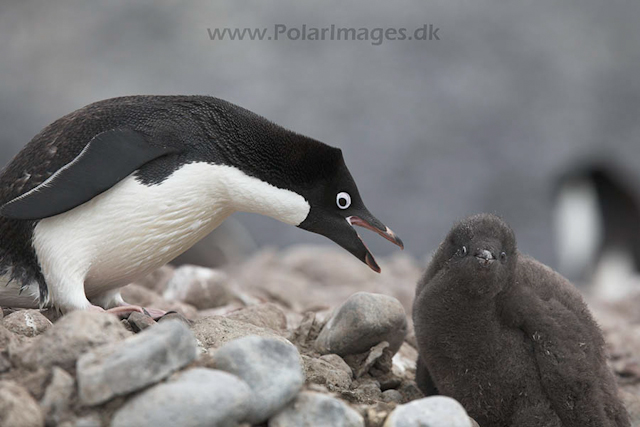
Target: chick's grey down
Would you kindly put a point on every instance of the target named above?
(508, 337)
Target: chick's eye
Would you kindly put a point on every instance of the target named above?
(343, 199)
(463, 251)
(503, 256)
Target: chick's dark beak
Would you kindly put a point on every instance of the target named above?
(485, 256)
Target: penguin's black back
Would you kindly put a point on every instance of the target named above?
(190, 124)
(191, 128)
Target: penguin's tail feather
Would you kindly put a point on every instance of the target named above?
(14, 295)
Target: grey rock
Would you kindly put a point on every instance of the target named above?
(269, 366)
(5, 363)
(35, 382)
(215, 331)
(198, 397)
(17, 407)
(74, 334)
(361, 322)
(435, 411)
(404, 361)
(311, 409)
(631, 401)
(172, 315)
(157, 280)
(142, 360)
(140, 295)
(307, 331)
(371, 358)
(337, 362)
(392, 396)
(88, 421)
(267, 315)
(6, 337)
(28, 323)
(366, 390)
(55, 402)
(139, 321)
(318, 371)
(201, 287)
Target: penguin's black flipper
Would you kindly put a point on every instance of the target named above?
(107, 159)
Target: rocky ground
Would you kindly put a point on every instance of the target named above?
(304, 337)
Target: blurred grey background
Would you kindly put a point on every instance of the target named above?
(484, 119)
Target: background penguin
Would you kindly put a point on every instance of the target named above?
(120, 187)
(508, 337)
(597, 226)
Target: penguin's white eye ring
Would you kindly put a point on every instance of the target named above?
(343, 200)
(463, 251)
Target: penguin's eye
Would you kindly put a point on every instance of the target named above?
(343, 200)
(503, 256)
(462, 251)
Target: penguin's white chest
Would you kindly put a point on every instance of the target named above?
(132, 229)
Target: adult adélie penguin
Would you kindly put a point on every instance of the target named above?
(110, 192)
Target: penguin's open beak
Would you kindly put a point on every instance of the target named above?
(371, 223)
(381, 229)
(340, 229)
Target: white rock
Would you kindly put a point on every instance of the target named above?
(312, 409)
(435, 411)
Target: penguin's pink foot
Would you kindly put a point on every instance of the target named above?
(124, 311)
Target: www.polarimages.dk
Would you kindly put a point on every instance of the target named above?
(427, 32)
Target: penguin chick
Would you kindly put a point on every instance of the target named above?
(509, 338)
(120, 187)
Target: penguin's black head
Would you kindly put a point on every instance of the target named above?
(336, 206)
(482, 248)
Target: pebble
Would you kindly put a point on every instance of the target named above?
(215, 331)
(392, 396)
(72, 335)
(269, 366)
(88, 421)
(361, 322)
(404, 361)
(157, 280)
(172, 315)
(139, 321)
(6, 337)
(201, 287)
(55, 402)
(318, 371)
(17, 407)
(124, 367)
(435, 411)
(198, 397)
(312, 409)
(28, 323)
(267, 315)
(371, 358)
